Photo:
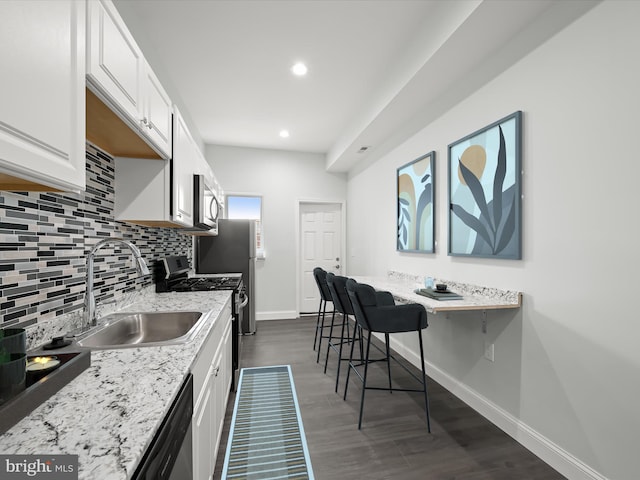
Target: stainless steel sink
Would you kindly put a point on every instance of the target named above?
(123, 330)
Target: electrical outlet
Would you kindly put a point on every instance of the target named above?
(489, 351)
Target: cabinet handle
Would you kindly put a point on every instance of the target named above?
(145, 121)
(216, 372)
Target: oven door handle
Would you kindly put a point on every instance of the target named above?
(244, 302)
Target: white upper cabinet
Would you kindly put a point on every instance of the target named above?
(157, 111)
(119, 75)
(42, 98)
(158, 194)
(185, 161)
(114, 61)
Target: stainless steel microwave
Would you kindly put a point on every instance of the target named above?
(206, 207)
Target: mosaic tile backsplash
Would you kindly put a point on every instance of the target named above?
(44, 240)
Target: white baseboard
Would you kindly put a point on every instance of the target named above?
(558, 458)
(284, 315)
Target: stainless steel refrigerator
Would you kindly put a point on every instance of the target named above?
(233, 250)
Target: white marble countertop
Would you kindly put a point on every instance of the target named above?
(474, 297)
(109, 414)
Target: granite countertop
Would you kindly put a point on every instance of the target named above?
(109, 414)
(475, 297)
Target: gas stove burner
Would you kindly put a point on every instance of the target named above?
(195, 284)
(172, 275)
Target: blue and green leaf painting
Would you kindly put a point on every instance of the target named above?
(484, 189)
(415, 205)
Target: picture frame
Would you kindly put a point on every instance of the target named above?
(485, 191)
(415, 219)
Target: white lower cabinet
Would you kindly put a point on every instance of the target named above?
(212, 382)
(202, 434)
(223, 386)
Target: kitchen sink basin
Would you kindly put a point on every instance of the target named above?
(123, 330)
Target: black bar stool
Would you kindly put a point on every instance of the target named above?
(320, 276)
(376, 312)
(342, 303)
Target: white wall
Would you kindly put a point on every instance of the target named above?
(283, 179)
(566, 377)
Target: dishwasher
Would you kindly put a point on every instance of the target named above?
(169, 457)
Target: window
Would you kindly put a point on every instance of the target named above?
(247, 207)
(244, 207)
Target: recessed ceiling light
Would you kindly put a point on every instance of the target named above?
(284, 133)
(299, 69)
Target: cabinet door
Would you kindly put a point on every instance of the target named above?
(208, 417)
(156, 122)
(202, 432)
(114, 60)
(42, 119)
(184, 165)
(217, 391)
(223, 385)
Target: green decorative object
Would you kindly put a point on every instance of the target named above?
(12, 340)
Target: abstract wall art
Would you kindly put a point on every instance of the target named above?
(485, 191)
(415, 219)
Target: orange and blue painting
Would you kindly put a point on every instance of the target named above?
(415, 205)
(484, 191)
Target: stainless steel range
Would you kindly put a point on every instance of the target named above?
(173, 275)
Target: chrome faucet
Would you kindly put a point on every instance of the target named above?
(89, 298)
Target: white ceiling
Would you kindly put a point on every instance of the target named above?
(378, 69)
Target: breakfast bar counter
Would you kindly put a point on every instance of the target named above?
(403, 286)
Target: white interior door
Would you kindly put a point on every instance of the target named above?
(320, 246)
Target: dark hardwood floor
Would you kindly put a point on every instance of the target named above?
(394, 443)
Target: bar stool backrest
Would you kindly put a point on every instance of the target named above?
(368, 298)
(338, 289)
(321, 279)
(376, 311)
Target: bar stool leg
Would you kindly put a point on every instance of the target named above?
(353, 344)
(315, 339)
(364, 380)
(345, 320)
(329, 342)
(424, 382)
(386, 342)
(322, 331)
(321, 328)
